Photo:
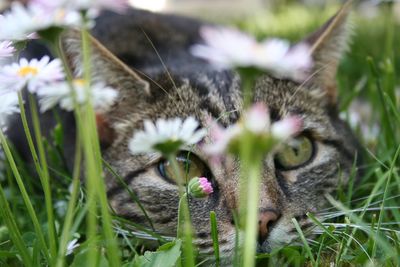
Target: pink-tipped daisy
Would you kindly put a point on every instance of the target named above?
(230, 48)
(286, 128)
(200, 187)
(255, 124)
(33, 74)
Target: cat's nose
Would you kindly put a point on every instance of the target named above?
(265, 220)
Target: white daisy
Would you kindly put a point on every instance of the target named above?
(256, 123)
(6, 49)
(71, 246)
(9, 106)
(166, 136)
(102, 96)
(227, 47)
(21, 22)
(115, 5)
(88, 5)
(33, 74)
(17, 23)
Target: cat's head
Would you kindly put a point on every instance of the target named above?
(294, 180)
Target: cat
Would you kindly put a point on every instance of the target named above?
(146, 57)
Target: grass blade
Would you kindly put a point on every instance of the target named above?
(14, 232)
(303, 239)
(214, 236)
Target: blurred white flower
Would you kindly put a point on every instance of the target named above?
(360, 116)
(93, 6)
(115, 5)
(6, 49)
(286, 127)
(221, 137)
(9, 106)
(21, 22)
(227, 47)
(71, 246)
(256, 119)
(255, 123)
(17, 23)
(166, 136)
(33, 74)
(102, 96)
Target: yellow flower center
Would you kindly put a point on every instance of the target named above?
(25, 71)
(60, 15)
(79, 82)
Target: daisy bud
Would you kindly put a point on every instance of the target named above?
(200, 187)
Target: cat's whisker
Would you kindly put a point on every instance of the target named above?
(357, 242)
(140, 234)
(152, 80)
(316, 243)
(348, 236)
(340, 213)
(322, 211)
(334, 214)
(366, 228)
(312, 75)
(164, 66)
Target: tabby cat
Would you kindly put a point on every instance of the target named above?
(145, 56)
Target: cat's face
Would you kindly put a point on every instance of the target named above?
(294, 180)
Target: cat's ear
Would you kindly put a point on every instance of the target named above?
(328, 44)
(107, 68)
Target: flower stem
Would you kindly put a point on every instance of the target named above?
(250, 176)
(96, 186)
(184, 228)
(249, 197)
(253, 192)
(28, 135)
(66, 231)
(25, 197)
(214, 235)
(248, 77)
(45, 178)
(15, 235)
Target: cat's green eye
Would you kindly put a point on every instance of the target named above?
(295, 154)
(189, 166)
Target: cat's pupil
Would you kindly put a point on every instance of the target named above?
(295, 153)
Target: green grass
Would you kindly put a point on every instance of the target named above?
(361, 228)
